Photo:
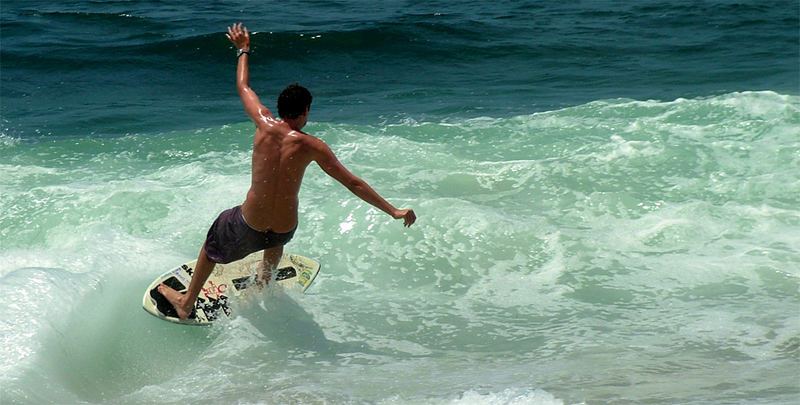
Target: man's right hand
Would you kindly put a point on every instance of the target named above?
(408, 216)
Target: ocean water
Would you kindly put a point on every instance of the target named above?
(608, 197)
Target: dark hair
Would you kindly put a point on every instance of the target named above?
(293, 101)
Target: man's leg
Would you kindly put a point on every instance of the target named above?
(184, 303)
(272, 257)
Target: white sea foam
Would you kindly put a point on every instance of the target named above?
(618, 245)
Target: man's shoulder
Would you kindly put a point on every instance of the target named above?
(314, 147)
(309, 139)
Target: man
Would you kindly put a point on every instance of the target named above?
(268, 217)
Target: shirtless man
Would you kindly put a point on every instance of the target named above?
(281, 152)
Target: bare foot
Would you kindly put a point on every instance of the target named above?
(177, 299)
(263, 276)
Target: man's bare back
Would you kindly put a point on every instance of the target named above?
(280, 158)
(281, 153)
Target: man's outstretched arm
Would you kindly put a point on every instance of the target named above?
(331, 165)
(252, 105)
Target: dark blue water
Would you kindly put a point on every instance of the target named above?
(110, 68)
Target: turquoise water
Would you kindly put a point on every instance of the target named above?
(608, 197)
(616, 251)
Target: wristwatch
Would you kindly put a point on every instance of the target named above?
(241, 51)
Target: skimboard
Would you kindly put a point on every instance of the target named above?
(225, 282)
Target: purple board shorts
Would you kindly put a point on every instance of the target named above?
(231, 238)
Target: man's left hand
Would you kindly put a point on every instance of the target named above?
(239, 36)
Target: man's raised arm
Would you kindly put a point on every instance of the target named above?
(252, 105)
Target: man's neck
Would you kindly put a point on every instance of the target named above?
(294, 124)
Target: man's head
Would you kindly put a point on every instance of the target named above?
(293, 102)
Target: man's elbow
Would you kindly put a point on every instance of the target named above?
(355, 186)
(243, 88)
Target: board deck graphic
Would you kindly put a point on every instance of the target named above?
(226, 281)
